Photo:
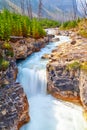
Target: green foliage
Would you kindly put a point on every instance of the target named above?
(18, 25)
(1, 59)
(9, 53)
(79, 24)
(8, 49)
(82, 28)
(4, 64)
(70, 24)
(7, 46)
(84, 66)
(74, 65)
(83, 33)
(5, 51)
(47, 23)
(37, 30)
(77, 65)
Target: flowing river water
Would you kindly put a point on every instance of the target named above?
(46, 112)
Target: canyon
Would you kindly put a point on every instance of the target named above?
(57, 69)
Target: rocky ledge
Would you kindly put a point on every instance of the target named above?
(23, 47)
(67, 72)
(14, 107)
(13, 101)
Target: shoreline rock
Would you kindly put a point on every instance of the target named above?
(25, 47)
(14, 107)
(65, 79)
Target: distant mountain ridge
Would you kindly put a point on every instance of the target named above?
(54, 9)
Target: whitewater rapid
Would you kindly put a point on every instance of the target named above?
(46, 112)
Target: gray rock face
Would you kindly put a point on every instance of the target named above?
(83, 88)
(66, 83)
(25, 47)
(55, 40)
(13, 101)
(66, 77)
(13, 107)
(10, 75)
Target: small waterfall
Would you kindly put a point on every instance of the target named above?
(33, 81)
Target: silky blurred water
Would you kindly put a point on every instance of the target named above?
(46, 112)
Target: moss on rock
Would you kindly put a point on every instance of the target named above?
(74, 65)
(84, 66)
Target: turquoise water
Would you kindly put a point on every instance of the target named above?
(46, 112)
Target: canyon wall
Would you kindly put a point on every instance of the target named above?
(14, 107)
(67, 72)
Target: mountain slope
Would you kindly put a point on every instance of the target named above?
(54, 9)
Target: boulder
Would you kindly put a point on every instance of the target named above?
(55, 39)
(13, 107)
(21, 52)
(25, 47)
(73, 42)
(50, 36)
(65, 84)
(45, 56)
(15, 38)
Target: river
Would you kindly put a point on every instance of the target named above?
(46, 112)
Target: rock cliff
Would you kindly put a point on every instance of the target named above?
(23, 47)
(14, 107)
(67, 72)
(13, 101)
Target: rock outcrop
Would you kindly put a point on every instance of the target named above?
(26, 46)
(66, 78)
(63, 84)
(14, 107)
(83, 88)
(45, 56)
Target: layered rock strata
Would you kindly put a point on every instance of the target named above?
(14, 108)
(66, 78)
(26, 46)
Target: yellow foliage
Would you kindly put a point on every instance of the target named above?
(82, 28)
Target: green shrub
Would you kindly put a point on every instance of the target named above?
(84, 66)
(74, 65)
(83, 33)
(10, 53)
(69, 24)
(4, 64)
(82, 28)
(77, 65)
(17, 25)
(48, 23)
(7, 46)
(1, 59)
